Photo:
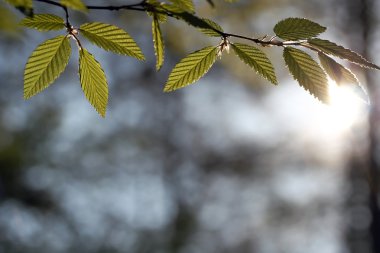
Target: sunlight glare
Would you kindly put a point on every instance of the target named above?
(346, 107)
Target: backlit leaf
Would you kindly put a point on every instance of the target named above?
(191, 68)
(93, 81)
(342, 76)
(111, 38)
(44, 22)
(158, 43)
(75, 5)
(307, 72)
(336, 71)
(25, 6)
(45, 64)
(186, 5)
(297, 29)
(256, 59)
(214, 30)
(331, 48)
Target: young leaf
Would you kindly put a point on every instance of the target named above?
(191, 68)
(297, 29)
(186, 5)
(111, 38)
(93, 81)
(331, 48)
(25, 6)
(44, 22)
(336, 71)
(212, 29)
(256, 59)
(307, 72)
(45, 64)
(158, 43)
(156, 5)
(75, 5)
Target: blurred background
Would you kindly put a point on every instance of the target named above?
(229, 164)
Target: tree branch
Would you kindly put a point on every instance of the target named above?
(144, 6)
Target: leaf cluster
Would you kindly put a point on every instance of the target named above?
(293, 35)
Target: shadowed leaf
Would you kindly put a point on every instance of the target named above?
(336, 71)
(331, 48)
(342, 76)
(75, 5)
(24, 6)
(214, 30)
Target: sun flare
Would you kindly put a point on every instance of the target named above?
(347, 106)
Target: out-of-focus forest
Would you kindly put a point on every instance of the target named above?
(229, 164)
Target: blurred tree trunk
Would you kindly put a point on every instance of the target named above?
(363, 238)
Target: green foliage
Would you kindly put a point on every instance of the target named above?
(44, 22)
(307, 72)
(25, 6)
(8, 22)
(256, 59)
(213, 29)
(331, 48)
(50, 58)
(191, 68)
(93, 81)
(45, 64)
(158, 43)
(111, 38)
(336, 71)
(297, 29)
(75, 5)
(186, 5)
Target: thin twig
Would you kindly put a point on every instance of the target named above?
(144, 6)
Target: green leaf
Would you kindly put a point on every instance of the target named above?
(158, 43)
(331, 48)
(190, 19)
(45, 64)
(93, 81)
(256, 59)
(44, 22)
(186, 5)
(307, 72)
(342, 76)
(213, 29)
(25, 6)
(75, 5)
(111, 38)
(8, 22)
(297, 29)
(191, 68)
(336, 71)
(156, 5)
